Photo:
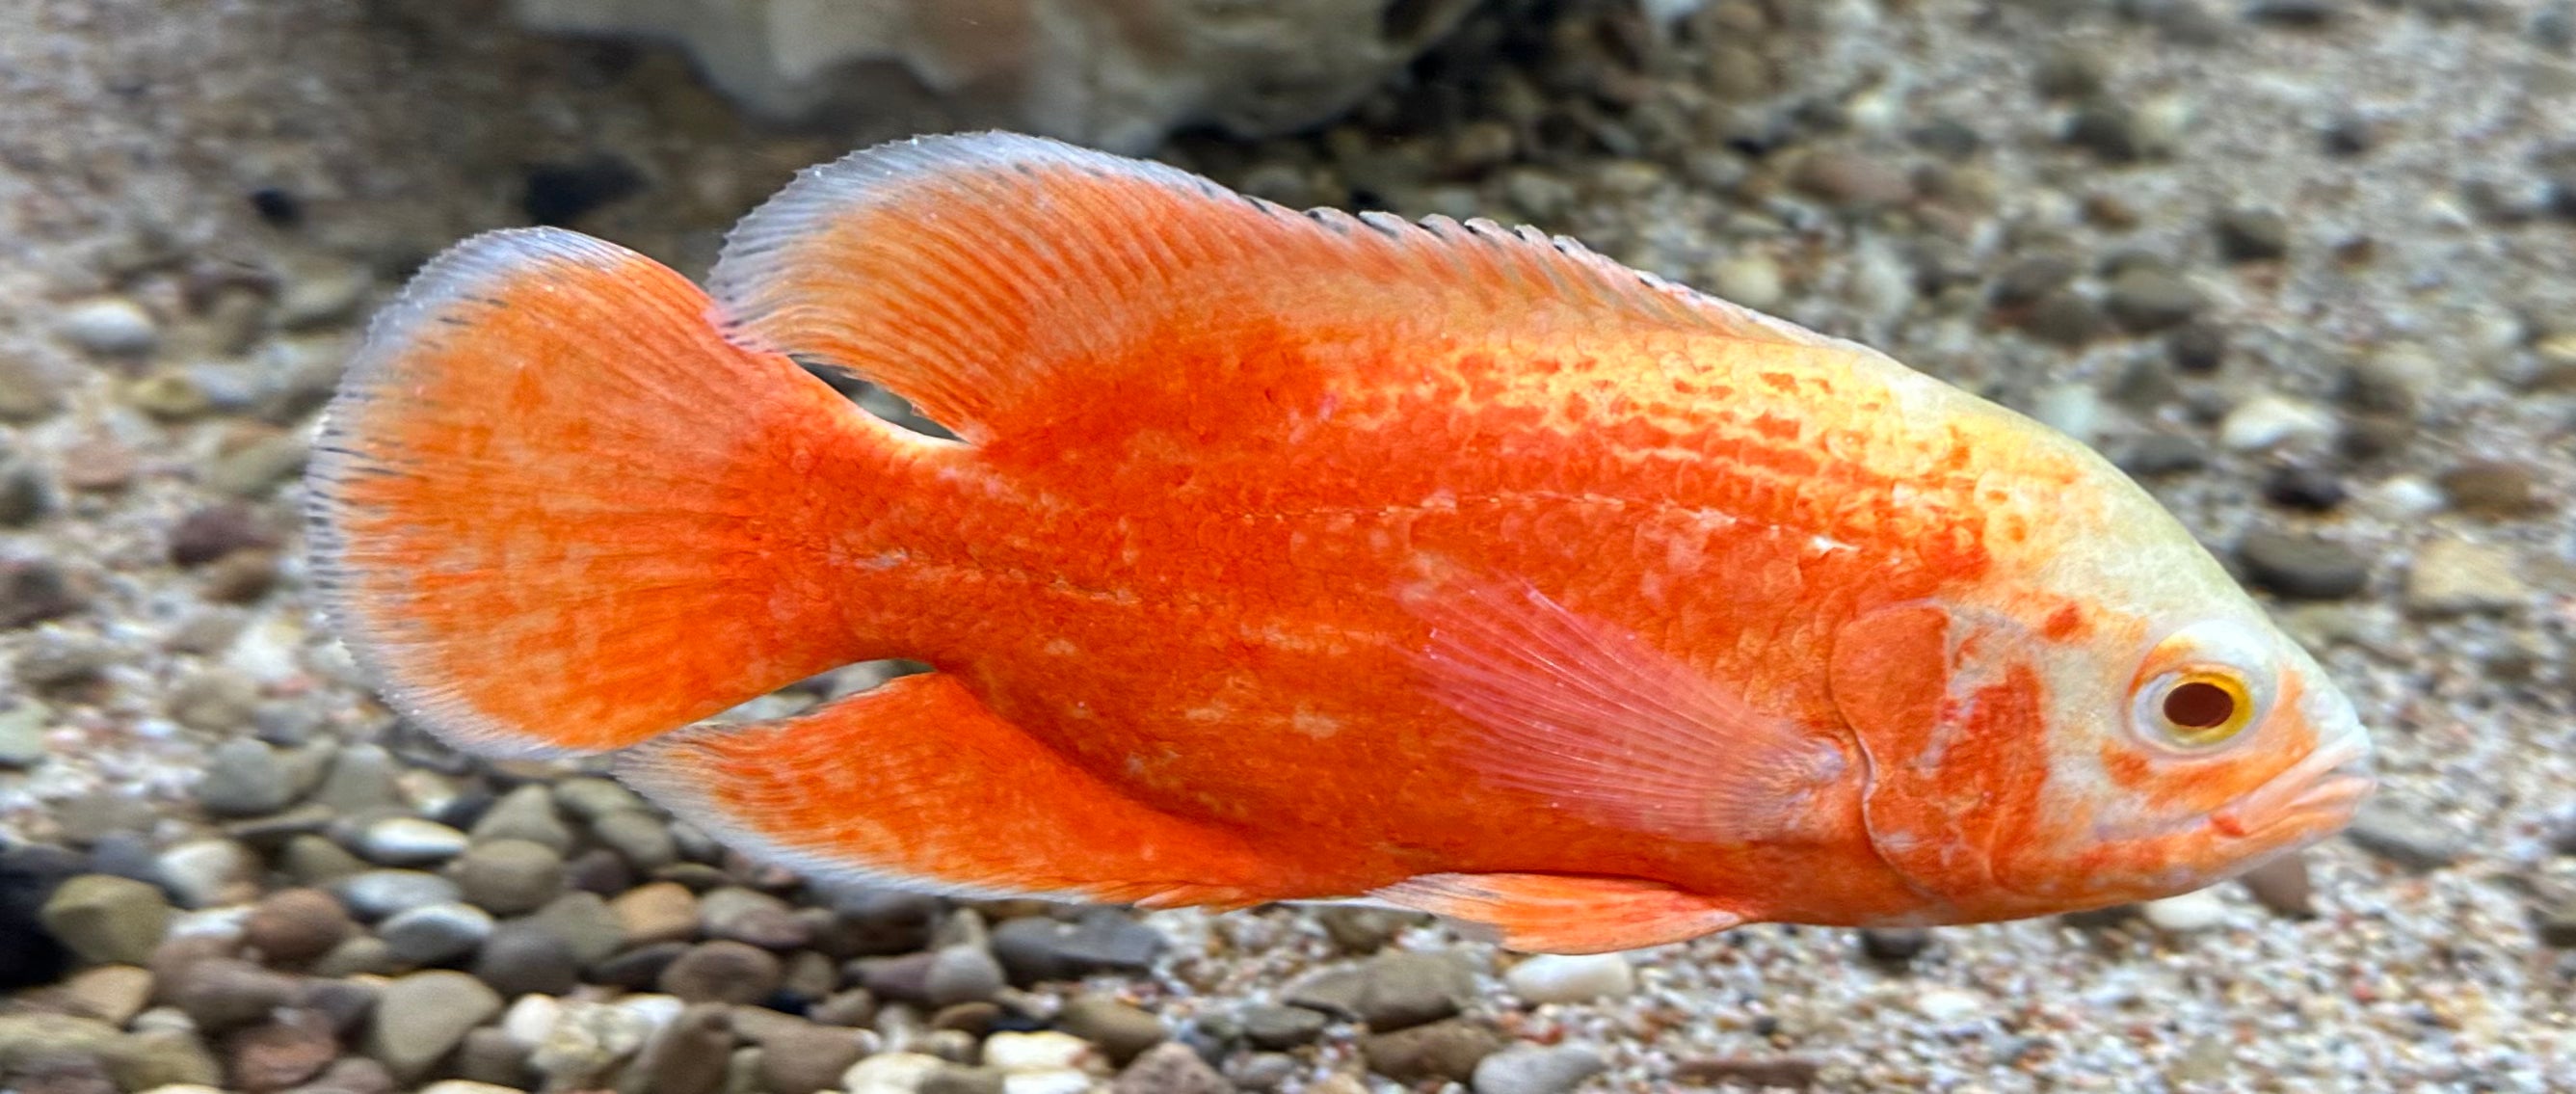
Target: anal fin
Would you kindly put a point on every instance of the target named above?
(917, 784)
(1558, 913)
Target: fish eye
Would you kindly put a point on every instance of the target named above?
(2200, 708)
(2202, 686)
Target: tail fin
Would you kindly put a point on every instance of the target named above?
(556, 510)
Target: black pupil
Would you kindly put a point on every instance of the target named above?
(2197, 705)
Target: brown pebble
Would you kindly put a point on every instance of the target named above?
(1447, 1049)
(491, 1055)
(722, 971)
(288, 1049)
(1852, 180)
(2493, 489)
(1122, 1030)
(351, 1075)
(658, 912)
(807, 1058)
(1791, 1072)
(216, 531)
(1170, 1068)
(294, 926)
(976, 1017)
(99, 465)
(690, 1055)
(220, 993)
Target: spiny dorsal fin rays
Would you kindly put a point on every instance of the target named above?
(972, 274)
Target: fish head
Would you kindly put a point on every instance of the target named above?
(2100, 722)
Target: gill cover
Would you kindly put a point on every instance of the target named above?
(1950, 712)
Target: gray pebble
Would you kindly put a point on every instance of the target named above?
(243, 779)
(2144, 299)
(409, 841)
(1280, 1028)
(1103, 940)
(2302, 567)
(2400, 832)
(360, 778)
(642, 839)
(1400, 990)
(215, 700)
(489, 1054)
(110, 326)
(586, 925)
(748, 915)
(205, 873)
(421, 1017)
(436, 933)
(527, 813)
(510, 877)
(2253, 235)
(2163, 454)
(376, 894)
(33, 590)
(313, 860)
(962, 973)
(1122, 1031)
(22, 734)
(361, 955)
(1532, 1069)
(221, 993)
(524, 957)
(591, 798)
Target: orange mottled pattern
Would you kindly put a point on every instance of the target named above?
(1171, 554)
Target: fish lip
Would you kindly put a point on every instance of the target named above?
(2312, 798)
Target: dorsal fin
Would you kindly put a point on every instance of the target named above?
(970, 274)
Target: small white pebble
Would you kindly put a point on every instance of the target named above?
(2071, 409)
(527, 1020)
(2198, 910)
(1571, 978)
(890, 1073)
(1042, 1051)
(2266, 421)
(110, 325)
(1062, 1080)
(1948, 1005)
(2406, 496)
(657, 1011)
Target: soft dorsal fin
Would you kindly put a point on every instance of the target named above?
(971, 274)
(1603, 725)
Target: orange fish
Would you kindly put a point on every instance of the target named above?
(1288, 556)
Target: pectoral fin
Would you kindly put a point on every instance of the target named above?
(1556, 913)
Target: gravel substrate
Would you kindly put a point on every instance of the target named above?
(2306, 267)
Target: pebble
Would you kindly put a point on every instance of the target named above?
(585, 1041)
(490, 1054)
(1397, 990)
(1170, 1068)
(2198, 910)
(274, 1055)
(108, 920)
(1531, 1069)
(643, 841)
(2457, 577)
(659, 912)
(961, 973)
(2144, 300)
(1852, 180)
(2301, 487)
(891, 1073)
(435, 933)
(22, 734)
(1280, 1028)
(1447, 1049)
(722, 971)
(221, 993)
(360, 778)
(1035, 948)
(2270, 421)
(2282, 885)
(1950, 1006)
(748, 915)
(592, 799)
(2493, 489)
(1122, 1030)
(525, 814)
(375, 894)
(361, 955)
(110, 326)
(805, 1058)
(243, 779)
(586, 925)
(206, 873)
(526, 957)
(410, 841)
(688, 1057)
(2253, 235)
(313, 860)
(510, 876)
(1894, 945)
(113, 994)
(421, 1017)
(1569, 978)
(1045, 1050)
(2399, 831)
(1760, 1072)
(210, 533)
(2301, 567)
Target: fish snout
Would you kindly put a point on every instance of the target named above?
(2315, 798)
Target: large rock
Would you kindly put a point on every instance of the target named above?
(1118, 74)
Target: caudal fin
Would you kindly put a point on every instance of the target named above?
(554, 509)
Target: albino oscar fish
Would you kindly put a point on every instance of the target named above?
(1287, 556)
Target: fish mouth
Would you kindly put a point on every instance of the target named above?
(2313, 799)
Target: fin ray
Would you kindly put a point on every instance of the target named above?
(1557, 913)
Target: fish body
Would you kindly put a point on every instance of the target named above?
(1290, 556)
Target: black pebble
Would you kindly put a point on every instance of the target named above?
(280, 208)
(29, 874)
